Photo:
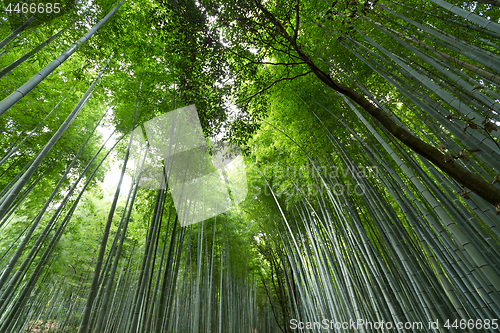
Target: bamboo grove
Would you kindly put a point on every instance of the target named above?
(370, 137)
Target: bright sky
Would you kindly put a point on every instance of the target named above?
(112, 177)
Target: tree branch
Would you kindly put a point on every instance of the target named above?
(265, 62)
(475, 183)
(272, 84)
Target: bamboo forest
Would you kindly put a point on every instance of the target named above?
(249, 166)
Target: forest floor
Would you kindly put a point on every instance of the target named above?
(39, 326)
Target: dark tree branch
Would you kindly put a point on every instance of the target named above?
(269, 295)
(272, 35)
(472, 181)
(265, 62)
(272, 84)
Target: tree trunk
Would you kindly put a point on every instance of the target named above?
(476, 184)
(19, 61)
(16, 32)
(13, 193)
(35, 80)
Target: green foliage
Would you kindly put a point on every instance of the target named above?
(295, 246)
